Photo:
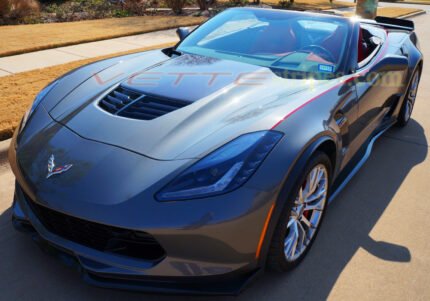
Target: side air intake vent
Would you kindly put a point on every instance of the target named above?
(118, 99)
(132, 104)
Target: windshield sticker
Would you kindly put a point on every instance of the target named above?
(325, 68)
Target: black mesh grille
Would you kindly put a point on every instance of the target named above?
(98, 236)
(131, 104)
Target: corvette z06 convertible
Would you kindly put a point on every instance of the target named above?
(191, 168)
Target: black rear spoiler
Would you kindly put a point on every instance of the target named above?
(395, 23)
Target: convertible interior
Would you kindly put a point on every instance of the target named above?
(295, 44)
(369, 41)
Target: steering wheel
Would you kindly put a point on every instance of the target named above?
(321, 50)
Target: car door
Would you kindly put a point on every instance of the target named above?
(378, 77)
(376, 89)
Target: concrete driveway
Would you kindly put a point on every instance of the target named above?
(374, 243)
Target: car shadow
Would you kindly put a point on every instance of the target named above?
(26, 272)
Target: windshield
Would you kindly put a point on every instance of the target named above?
(281, 40)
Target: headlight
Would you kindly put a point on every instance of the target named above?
(36, 102)
(223, 170)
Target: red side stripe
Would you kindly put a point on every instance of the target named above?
(304, 104)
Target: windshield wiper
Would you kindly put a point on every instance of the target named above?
(244, 55)
(283, 57)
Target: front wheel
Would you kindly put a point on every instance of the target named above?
(302, 216)
(409, 102)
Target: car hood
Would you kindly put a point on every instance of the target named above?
(223, 98)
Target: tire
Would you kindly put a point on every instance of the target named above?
(409, 101)
(278, 259)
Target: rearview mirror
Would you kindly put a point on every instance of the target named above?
(391, 63)
(182, 32)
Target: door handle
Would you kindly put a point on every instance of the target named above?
(341, 120)
(340, 117)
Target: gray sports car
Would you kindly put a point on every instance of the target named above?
(191, 168)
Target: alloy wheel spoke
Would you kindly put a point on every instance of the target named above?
(291, 242)
(317, 206)
(412, 93)
(312, 182)
(414, 87)
(300, 199)
(315, 218)
(315, 196)
(305, 220)
(408, 111)
(290, 222)
(302, 237)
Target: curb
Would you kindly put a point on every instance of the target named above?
(4, 146)
(411, 15)
(409, 2)
(418, 13)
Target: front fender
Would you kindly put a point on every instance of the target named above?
(289, 182)
(305, 132)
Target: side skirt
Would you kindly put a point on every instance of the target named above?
(359, 164)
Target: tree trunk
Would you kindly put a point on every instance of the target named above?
(203, 5)
(366, 8)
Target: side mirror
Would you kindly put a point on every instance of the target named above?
(391, 63)
(182, 32)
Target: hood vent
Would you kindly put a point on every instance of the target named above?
(128, 103)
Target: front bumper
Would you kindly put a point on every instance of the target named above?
(210, 244)
(105, 270)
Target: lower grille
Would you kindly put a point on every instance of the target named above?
(101, 237)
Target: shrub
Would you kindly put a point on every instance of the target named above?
(83, 10)
(138, 7)
(285, 3)
(176, 5)
(74, 10)
(120, 13)
(237, 2)
(19, 9)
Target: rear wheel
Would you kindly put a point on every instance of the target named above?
(409, 102)
(301, 219)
